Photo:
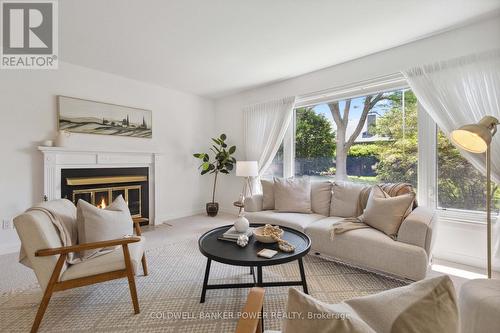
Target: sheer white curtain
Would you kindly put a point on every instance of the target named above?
(265, 125)
(461, 91)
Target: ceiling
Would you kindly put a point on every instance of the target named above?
(214, 48)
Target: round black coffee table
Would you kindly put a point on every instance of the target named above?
(230, 253)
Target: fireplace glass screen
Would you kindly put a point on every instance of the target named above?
(102, 197)
(101, 186)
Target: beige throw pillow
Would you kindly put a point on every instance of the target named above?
(310, 315)
(386, 213)
(267, 194)
(424, 306)
(96, 224)
(345, 199)
(292, 195)
(321, 196)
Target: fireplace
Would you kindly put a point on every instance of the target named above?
(60, 163)
(100, 186)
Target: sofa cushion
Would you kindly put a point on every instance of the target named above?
(267, 194)
(368, 248)
(386, 213)
(425, 306)
(321, 196)
(292, 195)
(295, 221)
(307, 314)
(108, 262)
(345, 199)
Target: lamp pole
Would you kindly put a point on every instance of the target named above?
(488, 207)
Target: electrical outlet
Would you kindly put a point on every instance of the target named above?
(6, 224)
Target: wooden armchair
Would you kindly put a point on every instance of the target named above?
(138, 232)
(251, 320)
(47, 257)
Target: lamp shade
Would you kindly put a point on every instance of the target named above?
(247, 168)
(475, 138)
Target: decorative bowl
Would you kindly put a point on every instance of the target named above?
(259, 236)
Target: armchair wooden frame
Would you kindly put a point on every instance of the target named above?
(251, 320)
(55, 285)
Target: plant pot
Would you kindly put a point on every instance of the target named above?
(212, 208)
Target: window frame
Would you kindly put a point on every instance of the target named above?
(427, 148)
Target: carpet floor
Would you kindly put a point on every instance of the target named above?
(169, 296)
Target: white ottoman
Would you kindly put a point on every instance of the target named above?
(479, 304)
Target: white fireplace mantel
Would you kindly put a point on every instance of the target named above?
(57, 158)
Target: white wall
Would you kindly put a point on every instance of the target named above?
(484, 35)
(182, 123)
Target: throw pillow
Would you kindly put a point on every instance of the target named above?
(310, 315)
(96, 224)
(386, 213)
(424, 306)
(292, 195)
(321, 196)
(267, 194)
(345, 199)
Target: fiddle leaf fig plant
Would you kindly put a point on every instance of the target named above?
(220, 162)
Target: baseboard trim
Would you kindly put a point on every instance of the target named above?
(164, 218)
(228, 210)
(467, 260)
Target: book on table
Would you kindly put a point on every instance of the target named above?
(231, 233)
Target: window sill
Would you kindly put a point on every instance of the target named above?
(464, 216)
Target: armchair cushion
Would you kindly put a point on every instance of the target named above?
(108, 262)
(37, 231)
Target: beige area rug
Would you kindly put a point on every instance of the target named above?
(169, 296)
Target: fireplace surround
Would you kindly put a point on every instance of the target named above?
(93, 175)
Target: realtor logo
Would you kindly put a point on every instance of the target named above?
(29, 34)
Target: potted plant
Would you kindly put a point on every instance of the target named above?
(222, 162)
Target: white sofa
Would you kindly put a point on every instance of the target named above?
(407, 257)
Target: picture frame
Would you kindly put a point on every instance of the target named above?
(78, 115)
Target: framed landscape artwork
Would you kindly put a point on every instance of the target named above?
(84, 116)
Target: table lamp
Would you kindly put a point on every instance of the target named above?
(476, 138)
(245, 169)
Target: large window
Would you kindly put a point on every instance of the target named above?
(276, 167)
(387, 137)
(460, 185)
(367, 139)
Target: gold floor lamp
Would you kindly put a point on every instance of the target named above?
(476, 138)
